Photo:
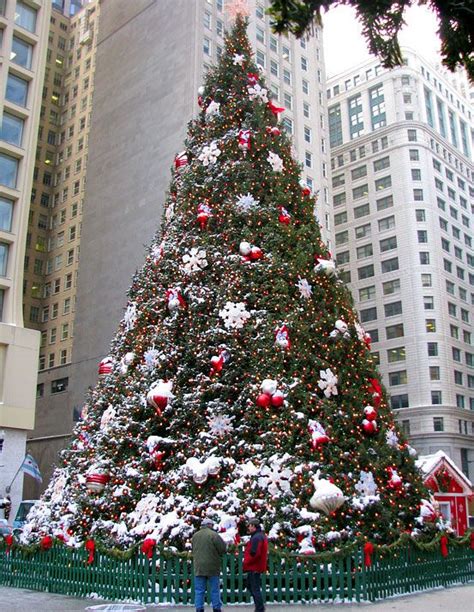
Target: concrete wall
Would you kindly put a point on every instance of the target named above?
(140, 112)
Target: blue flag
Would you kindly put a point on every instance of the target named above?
(30, 467)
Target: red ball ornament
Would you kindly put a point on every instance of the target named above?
(284, 216)
(273, 131)
(256, 253)
(370, 413)
(305, 190)
(277, 399)
(264, 400)
(370, 427)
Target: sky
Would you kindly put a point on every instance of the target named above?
(341, 25)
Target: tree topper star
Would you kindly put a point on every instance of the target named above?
(237, 7)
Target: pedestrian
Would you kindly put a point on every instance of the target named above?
(255, 562)
(208, 550)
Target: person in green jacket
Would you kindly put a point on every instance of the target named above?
(208, 550)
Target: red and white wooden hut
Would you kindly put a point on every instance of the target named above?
(451, 488)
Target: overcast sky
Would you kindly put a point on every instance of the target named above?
(345, 47)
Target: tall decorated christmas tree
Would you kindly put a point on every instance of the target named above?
(240, 382)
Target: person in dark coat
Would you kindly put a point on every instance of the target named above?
(255, 562)
(208, 550)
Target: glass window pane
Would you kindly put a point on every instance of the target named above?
(17, 90)
(25, 16)
(21, 52)
(6, 213)
(8, 170)
(11, 129)
(3, 258)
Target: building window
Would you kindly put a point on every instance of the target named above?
(367, 293)
(368, 314)
(340, 218)
(397, 378)
(383, 203)
(17, 90)
(418, 195)
(361, 211)
(21, 53)
(365, 271)
(363, 231)
(432, 349)
(260, 58)
(430, 325)
(388, 244)
(435, 373)
(335, 125)
(386, 223)
(6, 214)
(392, 309)
(207, 46)
(391, 287)
(365, 251)
(394, 331)
(3, 259)
(399, 401)
(389, 265)
(360, 192)
(342, 237)
(424, 260)
(25, 16)
(438, 422)
(59, 385)
(414, 155)
(356, 123)
(396, 354)
(359, 172)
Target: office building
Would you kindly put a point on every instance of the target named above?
(402, 194)
(23, 39)
(52, 255)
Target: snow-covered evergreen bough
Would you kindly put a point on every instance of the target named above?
(240, 382)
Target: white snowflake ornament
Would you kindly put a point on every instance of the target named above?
(328, 382)
(275, 479)
(257, 92)
(392, 438)
(194, 260)
(234, 315)
(220, 424)
(246, 202)
(238, 59)
(151, 357)
(305, 288)
(209, 154)
(275, 162)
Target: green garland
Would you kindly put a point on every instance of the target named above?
(320, 557)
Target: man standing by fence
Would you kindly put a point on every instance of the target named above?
(255, 562)
(208, 550)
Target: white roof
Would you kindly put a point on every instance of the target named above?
(428, 463)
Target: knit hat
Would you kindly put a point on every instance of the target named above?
(254, 521)
(207, 522)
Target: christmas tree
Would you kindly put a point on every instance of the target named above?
(240, 382)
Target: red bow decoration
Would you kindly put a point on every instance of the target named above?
(276, 110)
(252, 78)
(244, 140)
(90, 547)
(46, 543)
(444, 545)
(218, 361)
(158, 457)
(375, 389)
(368, 551)
(148, 547)
(9, 542)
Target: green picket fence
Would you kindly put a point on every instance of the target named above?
(290, 579)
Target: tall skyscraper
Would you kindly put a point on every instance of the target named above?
(402, 180)
(52, 255)
(23, 39)
(150, 59)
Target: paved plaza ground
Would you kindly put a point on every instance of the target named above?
(456, 599)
